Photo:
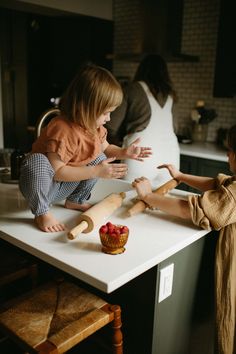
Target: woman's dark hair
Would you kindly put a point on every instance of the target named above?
(154, 72)
(232, 138)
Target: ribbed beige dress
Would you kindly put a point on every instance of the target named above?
(216, 210)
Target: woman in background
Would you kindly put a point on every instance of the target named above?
(146, 113)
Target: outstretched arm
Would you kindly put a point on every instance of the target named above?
(106, 169)
(172, 206)
(201, 183)
(133, 151)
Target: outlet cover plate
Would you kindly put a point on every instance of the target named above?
(166, 282)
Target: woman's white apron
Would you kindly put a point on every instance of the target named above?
(160, 136)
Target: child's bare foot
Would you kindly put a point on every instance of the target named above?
(48, 223)
(75, 206)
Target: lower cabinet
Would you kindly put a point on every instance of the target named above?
(184, 321)
(201, 167)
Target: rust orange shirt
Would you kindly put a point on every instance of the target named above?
(75, 145)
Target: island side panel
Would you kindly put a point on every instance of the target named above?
(184, 322)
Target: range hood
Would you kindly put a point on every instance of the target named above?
(161, 23)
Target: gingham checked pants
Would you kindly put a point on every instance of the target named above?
(39, 188)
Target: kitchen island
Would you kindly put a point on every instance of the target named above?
(132, 278)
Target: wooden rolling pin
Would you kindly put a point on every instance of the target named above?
(141, 206)
(97, 214)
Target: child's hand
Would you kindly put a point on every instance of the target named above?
(174, 172)
(143, 187)
(106, 169)
(135, 152)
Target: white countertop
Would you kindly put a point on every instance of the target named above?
(204, 150)
(153, 238)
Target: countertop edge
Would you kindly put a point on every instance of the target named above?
(206, 150)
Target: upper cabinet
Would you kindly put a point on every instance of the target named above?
(225, 68)
(40, 54)
(57, 46)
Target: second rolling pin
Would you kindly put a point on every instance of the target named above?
(141, 206)
(97, 214)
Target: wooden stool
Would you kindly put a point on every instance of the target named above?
(16, 264)
(55, 317)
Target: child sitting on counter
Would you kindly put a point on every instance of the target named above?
(214, 209)
(72, 152)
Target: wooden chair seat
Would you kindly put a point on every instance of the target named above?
(55, 317)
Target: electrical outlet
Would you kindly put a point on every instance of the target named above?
(166, 282)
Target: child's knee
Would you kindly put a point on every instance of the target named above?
(36, 164)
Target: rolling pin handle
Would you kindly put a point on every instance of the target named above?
(137, 208)
(77, 230)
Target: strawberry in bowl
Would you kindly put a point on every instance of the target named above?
(113, 238)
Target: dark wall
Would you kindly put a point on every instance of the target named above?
(225, 69)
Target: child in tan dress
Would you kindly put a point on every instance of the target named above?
(214, 209)
(72, 152)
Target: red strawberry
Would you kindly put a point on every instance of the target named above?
(117, 231)
(111, 229)
(113, 234)
(124, 230)
(103, 229)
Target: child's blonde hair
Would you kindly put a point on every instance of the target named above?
(91, 93)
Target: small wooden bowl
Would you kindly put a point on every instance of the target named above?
(113, 244)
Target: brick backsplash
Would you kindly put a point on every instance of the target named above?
(192, 80)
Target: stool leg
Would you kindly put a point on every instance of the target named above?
(117, 339)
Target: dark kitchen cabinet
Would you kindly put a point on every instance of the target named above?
(225, 68)
(57, 46)
(13, 54)
(201, 167)
(39, 56)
